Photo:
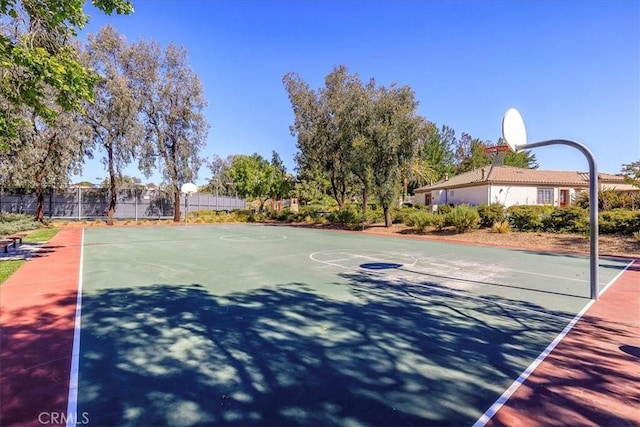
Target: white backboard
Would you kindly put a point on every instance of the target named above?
(513, 130)
(188, 188)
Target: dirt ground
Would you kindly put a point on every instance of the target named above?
(624, 246)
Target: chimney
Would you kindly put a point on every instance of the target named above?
(483, 172)
(446, 176)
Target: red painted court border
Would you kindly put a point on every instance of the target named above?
(591, 378)
(588, 379)
(37, 319)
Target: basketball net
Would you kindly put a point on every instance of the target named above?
(496, 153)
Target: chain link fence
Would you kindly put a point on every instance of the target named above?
(132, 203)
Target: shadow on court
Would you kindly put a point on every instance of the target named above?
(176, 355)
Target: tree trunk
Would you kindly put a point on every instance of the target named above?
(387, 216)
(39, 202)
(405, 189)
(176, 206)
(111, 210)
(365, 199)
(336, 194)
(112, 202)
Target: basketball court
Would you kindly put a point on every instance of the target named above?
(273, 325)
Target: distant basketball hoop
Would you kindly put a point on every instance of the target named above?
(188, 189)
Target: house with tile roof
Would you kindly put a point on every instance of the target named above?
(510, 185)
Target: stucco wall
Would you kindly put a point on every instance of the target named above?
(506, 195)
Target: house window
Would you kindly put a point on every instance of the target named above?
(451, 193)
(545, 196)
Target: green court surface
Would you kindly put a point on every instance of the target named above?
(270, 325)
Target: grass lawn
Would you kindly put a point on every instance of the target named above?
(41, 235)
(8, 267)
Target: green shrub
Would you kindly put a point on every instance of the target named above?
(373, 215)
(527, 217)
(491, 214)
(570, 219)
(14, 217)
(400, 215)
(349, 216)
(501, 227)
(438, 221)
(410, 218)
(444, 209)
(419, 219)
(12, 223)
(620, 221)
(609, 199)
(463, 218)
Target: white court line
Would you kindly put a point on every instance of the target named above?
(72, 401)
(533, 273)
(493, 409)
(438, 288)
(546, 275)
(352, 256)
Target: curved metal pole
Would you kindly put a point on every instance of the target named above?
(593, 205)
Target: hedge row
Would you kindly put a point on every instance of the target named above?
(12, 223)
(571, 219)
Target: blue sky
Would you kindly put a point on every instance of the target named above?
(572, 68)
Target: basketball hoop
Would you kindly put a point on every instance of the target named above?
(495, 149)
(187, 188)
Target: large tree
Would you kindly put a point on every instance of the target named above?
(254, 177)
(438, 150)
(43, 154)
(114, 116)
(393, 131)
(220, 181)
(357, 135)
(323, 146)
(172, 99)
(37, 62)
(421, 169)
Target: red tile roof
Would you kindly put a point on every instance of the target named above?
(496, 174)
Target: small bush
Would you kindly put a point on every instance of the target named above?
(348, 216)
(321, 221)
(491, 214)
(620, 221)
(501, 227)
(463, 218)
(570, 219)
(423, 219)
(444, 209)
(12, 223)
(527, 217)
(438, 221)
(400, 215)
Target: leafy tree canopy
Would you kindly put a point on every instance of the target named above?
(36, 57)
(631, 172)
